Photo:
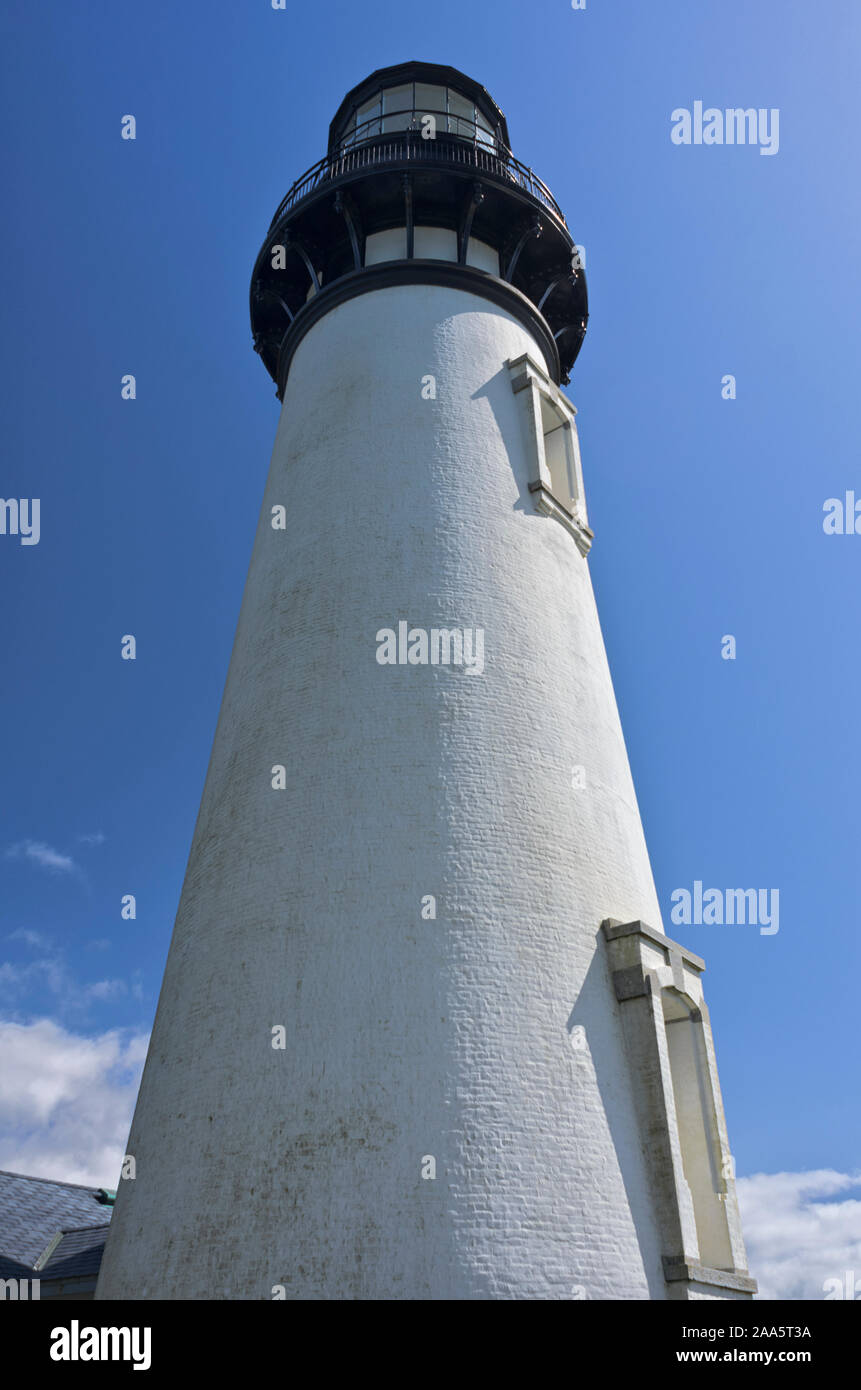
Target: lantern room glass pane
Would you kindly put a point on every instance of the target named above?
(484, 132)
(397, 108)
(366, 125)
(461, 119)
(431, 101)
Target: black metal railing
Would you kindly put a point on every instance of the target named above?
(477, 151)
(421, 119)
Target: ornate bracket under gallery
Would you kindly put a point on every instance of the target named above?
(292, 245)
(344, 205)
(476, 198)
(671, 1051)
(569, 275)
(534, 228)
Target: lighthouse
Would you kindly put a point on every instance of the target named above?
(421, 1034)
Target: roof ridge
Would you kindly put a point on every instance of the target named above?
(55, 1182)
(76, 1230)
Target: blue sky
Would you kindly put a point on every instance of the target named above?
(702, 261)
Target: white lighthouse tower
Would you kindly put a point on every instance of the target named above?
(421, 1034)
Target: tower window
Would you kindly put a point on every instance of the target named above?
(553, 451)
(668, 1037)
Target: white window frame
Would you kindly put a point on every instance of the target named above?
(657, 983)
(532, 384)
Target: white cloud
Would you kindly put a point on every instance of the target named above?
(52, 973)
(48, 973)
(66, 1100)
(106, 989)
(97, 838)
(43, 855)
(802, 1229)
(30, 938)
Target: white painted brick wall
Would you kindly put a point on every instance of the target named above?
(302, 907)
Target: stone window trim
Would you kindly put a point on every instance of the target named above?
(690, 1272)
(647, 970)
(530, 379)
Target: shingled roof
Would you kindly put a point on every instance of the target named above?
(55, 1230)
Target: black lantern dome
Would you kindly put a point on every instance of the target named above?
(419, 185)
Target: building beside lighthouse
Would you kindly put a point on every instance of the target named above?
(421, 1034)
